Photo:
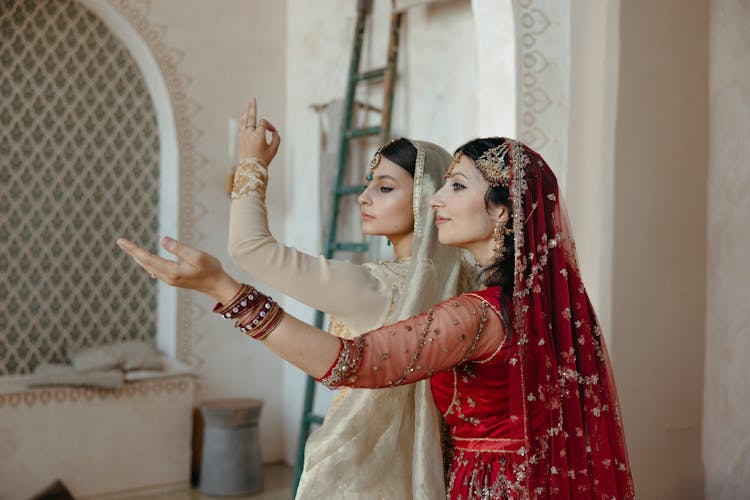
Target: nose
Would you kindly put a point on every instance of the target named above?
(436, 201)
(364, 198)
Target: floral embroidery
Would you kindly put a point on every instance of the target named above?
(251, 176)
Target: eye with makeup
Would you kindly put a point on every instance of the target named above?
(457, 186)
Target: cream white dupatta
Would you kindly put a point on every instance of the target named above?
(386, 443)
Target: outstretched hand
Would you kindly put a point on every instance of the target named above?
(252, 136)
(195, 270)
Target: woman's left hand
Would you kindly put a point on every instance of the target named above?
(195, 270)
(252, 136)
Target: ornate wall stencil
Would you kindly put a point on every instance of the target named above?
(58, 395)
(136, 12)
(78, 167)
(543, 73)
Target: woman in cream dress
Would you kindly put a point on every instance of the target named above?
(364, 429)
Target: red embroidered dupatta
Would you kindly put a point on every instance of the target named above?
(575, 438)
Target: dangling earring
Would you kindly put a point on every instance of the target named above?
(499, 234)
(388, 242)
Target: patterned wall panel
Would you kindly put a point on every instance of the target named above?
(79, 166)
(543, 78)
(170, 60)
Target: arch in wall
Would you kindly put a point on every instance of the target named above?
(169, 158)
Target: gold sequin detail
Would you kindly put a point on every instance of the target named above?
(250, 176)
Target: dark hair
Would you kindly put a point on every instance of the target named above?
(500, 272)
(402, 153)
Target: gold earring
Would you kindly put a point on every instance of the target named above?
(499, 234)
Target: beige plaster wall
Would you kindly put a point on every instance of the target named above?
(568, 57)
(726, 417)
(659, 258)
(594, 61)
(496, 74)
(227, 51)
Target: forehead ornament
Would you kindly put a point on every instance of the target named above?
(376, 157)
(456, 158)
(492, 164)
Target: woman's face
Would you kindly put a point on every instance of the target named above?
(386, 202)
(461, 214)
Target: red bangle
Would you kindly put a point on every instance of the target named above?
(247, 298)
(221, 308)
(265, 314)
(264, 321)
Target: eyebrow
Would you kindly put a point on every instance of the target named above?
(457, 174)
(380, 177)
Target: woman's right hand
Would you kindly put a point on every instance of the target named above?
(252, 136)
(196, 270)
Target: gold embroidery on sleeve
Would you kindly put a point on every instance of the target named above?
(250, 176)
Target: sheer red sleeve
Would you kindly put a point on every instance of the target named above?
(464, 328)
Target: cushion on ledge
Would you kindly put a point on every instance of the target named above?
(130, 355)
(50, 374)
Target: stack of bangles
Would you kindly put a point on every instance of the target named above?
(255, 313)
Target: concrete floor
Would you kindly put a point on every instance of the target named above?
(277, 480)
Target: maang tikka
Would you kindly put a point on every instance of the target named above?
(378, 154)
(493, 167)
(491, 164)
(374, 164)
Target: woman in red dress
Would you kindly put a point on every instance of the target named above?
(518, 369)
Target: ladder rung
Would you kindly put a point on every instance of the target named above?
(350, 247)
(314, 419)
(363, 132)
(373, 74)
(344, 190)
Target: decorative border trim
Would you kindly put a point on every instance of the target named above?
(533, 100)
(190, 160)
(45, 396)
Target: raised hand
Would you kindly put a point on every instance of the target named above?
(252, 136)
(196, 270)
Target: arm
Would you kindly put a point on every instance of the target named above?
(463, 328)
(337, 287)
(460, 329)
(333, 286)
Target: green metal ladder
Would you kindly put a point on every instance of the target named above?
(388, 76)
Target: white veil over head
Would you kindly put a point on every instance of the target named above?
(434, 268)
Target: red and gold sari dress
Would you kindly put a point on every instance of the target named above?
(523, 380)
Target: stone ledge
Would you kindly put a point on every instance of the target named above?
(99, 442)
